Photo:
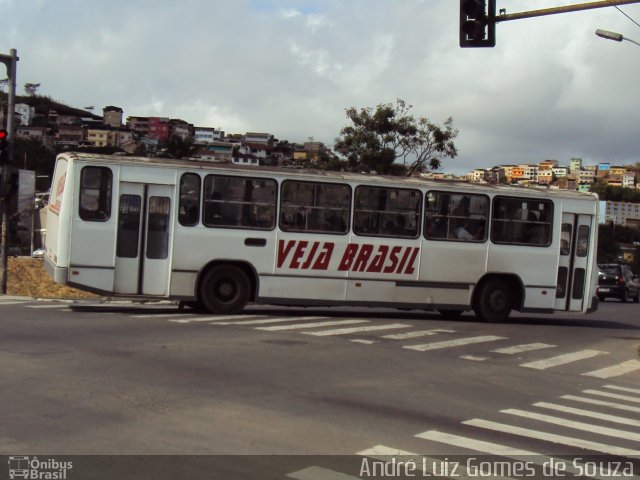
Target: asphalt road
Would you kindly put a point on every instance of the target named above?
(148, 379)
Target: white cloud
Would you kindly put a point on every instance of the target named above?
(550, 88)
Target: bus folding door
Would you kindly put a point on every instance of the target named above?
(573, 287)
(143, 243)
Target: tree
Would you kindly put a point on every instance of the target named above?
(179, 148)
(608, 249)
(31, 88)
(378, 137)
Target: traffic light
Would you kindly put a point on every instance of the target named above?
(477, 23)
(4, 147)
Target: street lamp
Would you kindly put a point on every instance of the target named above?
(616, 37)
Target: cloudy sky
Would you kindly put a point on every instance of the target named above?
(550, 89)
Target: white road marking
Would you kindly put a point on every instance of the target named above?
(473, 444)
(319, 473)
(473, 357)
(347, 331)
(563, 359)
(363, 341)
(592, 401)
(198, 318)
(261, 320)
(612, 395)
(302, 326)
(416, 334)
(588, 413)
(527, 347)
(14, 302)
(51, 305)
(551, 437)
(616, 370)
(453, 343)
(382, 451)
(162, 315)
(610, 432)
(623, 389)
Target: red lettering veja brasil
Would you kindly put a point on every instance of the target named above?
(356, 257)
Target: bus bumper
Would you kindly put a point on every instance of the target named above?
(58, 274)
(594, 305)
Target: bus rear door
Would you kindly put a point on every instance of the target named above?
(572, 289)
(143, 242)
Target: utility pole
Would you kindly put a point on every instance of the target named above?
(10, 61)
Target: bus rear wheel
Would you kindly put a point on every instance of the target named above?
(494, 301)
(225, 289)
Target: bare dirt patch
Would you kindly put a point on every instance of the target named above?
(27, 277)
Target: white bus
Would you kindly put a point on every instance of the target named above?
(219, 237)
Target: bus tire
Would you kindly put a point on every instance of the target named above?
(225, 289)
(494, 301)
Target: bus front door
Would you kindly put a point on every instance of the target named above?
(575, 251)
(143, 240)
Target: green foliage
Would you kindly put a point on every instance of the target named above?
(32, 154)
(377, 138)
(615, 194)
(608, 249)
(610, 236)
(178, 148)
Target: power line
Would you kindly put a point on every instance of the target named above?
(624, 13)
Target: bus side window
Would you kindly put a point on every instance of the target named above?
(95, 194)
(189, 207)
(522, 221)
(456, 216)
(239, 202)
(314, 207)
(387, 212)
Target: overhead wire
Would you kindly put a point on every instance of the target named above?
(623, 12)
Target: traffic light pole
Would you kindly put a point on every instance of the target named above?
(10, 62)
(568, 8)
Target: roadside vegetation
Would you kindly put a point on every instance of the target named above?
(27, 277)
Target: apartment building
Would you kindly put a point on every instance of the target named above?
(159, 129)
(629, 179)
(545, 176)
(622, 213)
(139, 125)
(112, 116)
(575, 165)
(204, 135)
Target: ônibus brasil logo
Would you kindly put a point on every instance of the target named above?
(34, 469)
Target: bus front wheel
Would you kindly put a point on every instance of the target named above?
(225, 289)
(494, 301)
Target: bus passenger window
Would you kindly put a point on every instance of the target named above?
(189, 207)
(387, 212)
(314, 207)
(239, 202)
(582, 247)
(522, 221)
(158, 227)
(95, 194)
(455, 216)
(565, 239)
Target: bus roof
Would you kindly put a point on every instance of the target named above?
(324, 175)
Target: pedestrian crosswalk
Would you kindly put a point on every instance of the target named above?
(404, 335)
(603, 418)
(565, 441)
